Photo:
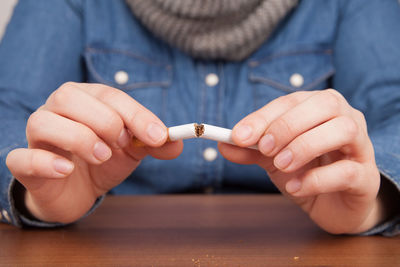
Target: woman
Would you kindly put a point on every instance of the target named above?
(84, 77)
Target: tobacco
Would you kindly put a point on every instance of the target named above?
(199, 129)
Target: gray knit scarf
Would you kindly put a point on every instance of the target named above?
(212, 29)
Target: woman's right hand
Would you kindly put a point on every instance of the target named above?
(79, 148)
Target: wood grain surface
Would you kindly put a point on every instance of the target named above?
(194, 230)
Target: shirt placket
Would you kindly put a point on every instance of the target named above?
(211, 112)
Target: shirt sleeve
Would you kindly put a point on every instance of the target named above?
(41, 50)
(367, 62)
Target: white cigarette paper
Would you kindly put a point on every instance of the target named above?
(205, 131)
(185, 131)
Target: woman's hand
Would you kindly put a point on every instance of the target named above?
(79, 148)
(315, 148)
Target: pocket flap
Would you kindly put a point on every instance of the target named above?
(292, 71)
(138, 71)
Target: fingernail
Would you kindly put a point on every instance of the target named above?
(123, 138)
(266, 143)
(63, 166)
(243, 132)
(101, 151)
(156, 132)
(283, 159)
(293, 186)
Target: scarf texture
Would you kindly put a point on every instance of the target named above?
(212, 29)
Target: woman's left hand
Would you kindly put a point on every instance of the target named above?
(315, 148)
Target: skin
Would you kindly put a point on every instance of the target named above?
(79, 148)
(315, 148)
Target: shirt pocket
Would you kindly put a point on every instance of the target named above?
(143, 78)
(286, 72)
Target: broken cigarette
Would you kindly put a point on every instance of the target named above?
(194, 130)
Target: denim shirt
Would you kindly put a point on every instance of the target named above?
(352, 46)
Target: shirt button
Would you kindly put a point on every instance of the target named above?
(296, 80)
(121, 77)
(210, 154)
(5, 215)
(212, 79)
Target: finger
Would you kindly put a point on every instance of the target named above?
(239, 155)
(140, 121)
(340, 134)
(248, 131)
(313, 111)
(343, 175)
(336, 134)
(71, 102)
(26, 164)
(45, 127)
(169, 150)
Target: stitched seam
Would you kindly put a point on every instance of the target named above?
(221, 91)
(98, 77)
(76, 9)
(256, 62)
(198, 160)
(290, 89)
(92, 50)
(202, 144)
(319, 80)
(220, 119)
(270, 82)
(164, 105)
(146, 84)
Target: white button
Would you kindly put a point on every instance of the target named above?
(5, 215)
(121, 77)
(296, 80)
(210, 154)
(212, 79)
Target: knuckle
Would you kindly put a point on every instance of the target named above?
(360, 115)
(134, 116)
(349, 128)
(112, 125)
(32, 169)
(291, 100)
(331, 104)
(360, 118)
(257, 119)
(301, 143)
(68, 85)
(350, 172)
(108, 94)
(35, 122)
(333, 99)
(62, 94)
(82, 139)
(10, 159)
(335, 94)
(314, 183)
(299, 94)
(282, 127)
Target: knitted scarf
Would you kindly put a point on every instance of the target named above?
(212, 29)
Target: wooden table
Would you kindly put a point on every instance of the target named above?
(194, 230)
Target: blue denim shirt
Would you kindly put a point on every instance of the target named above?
(352, 46)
